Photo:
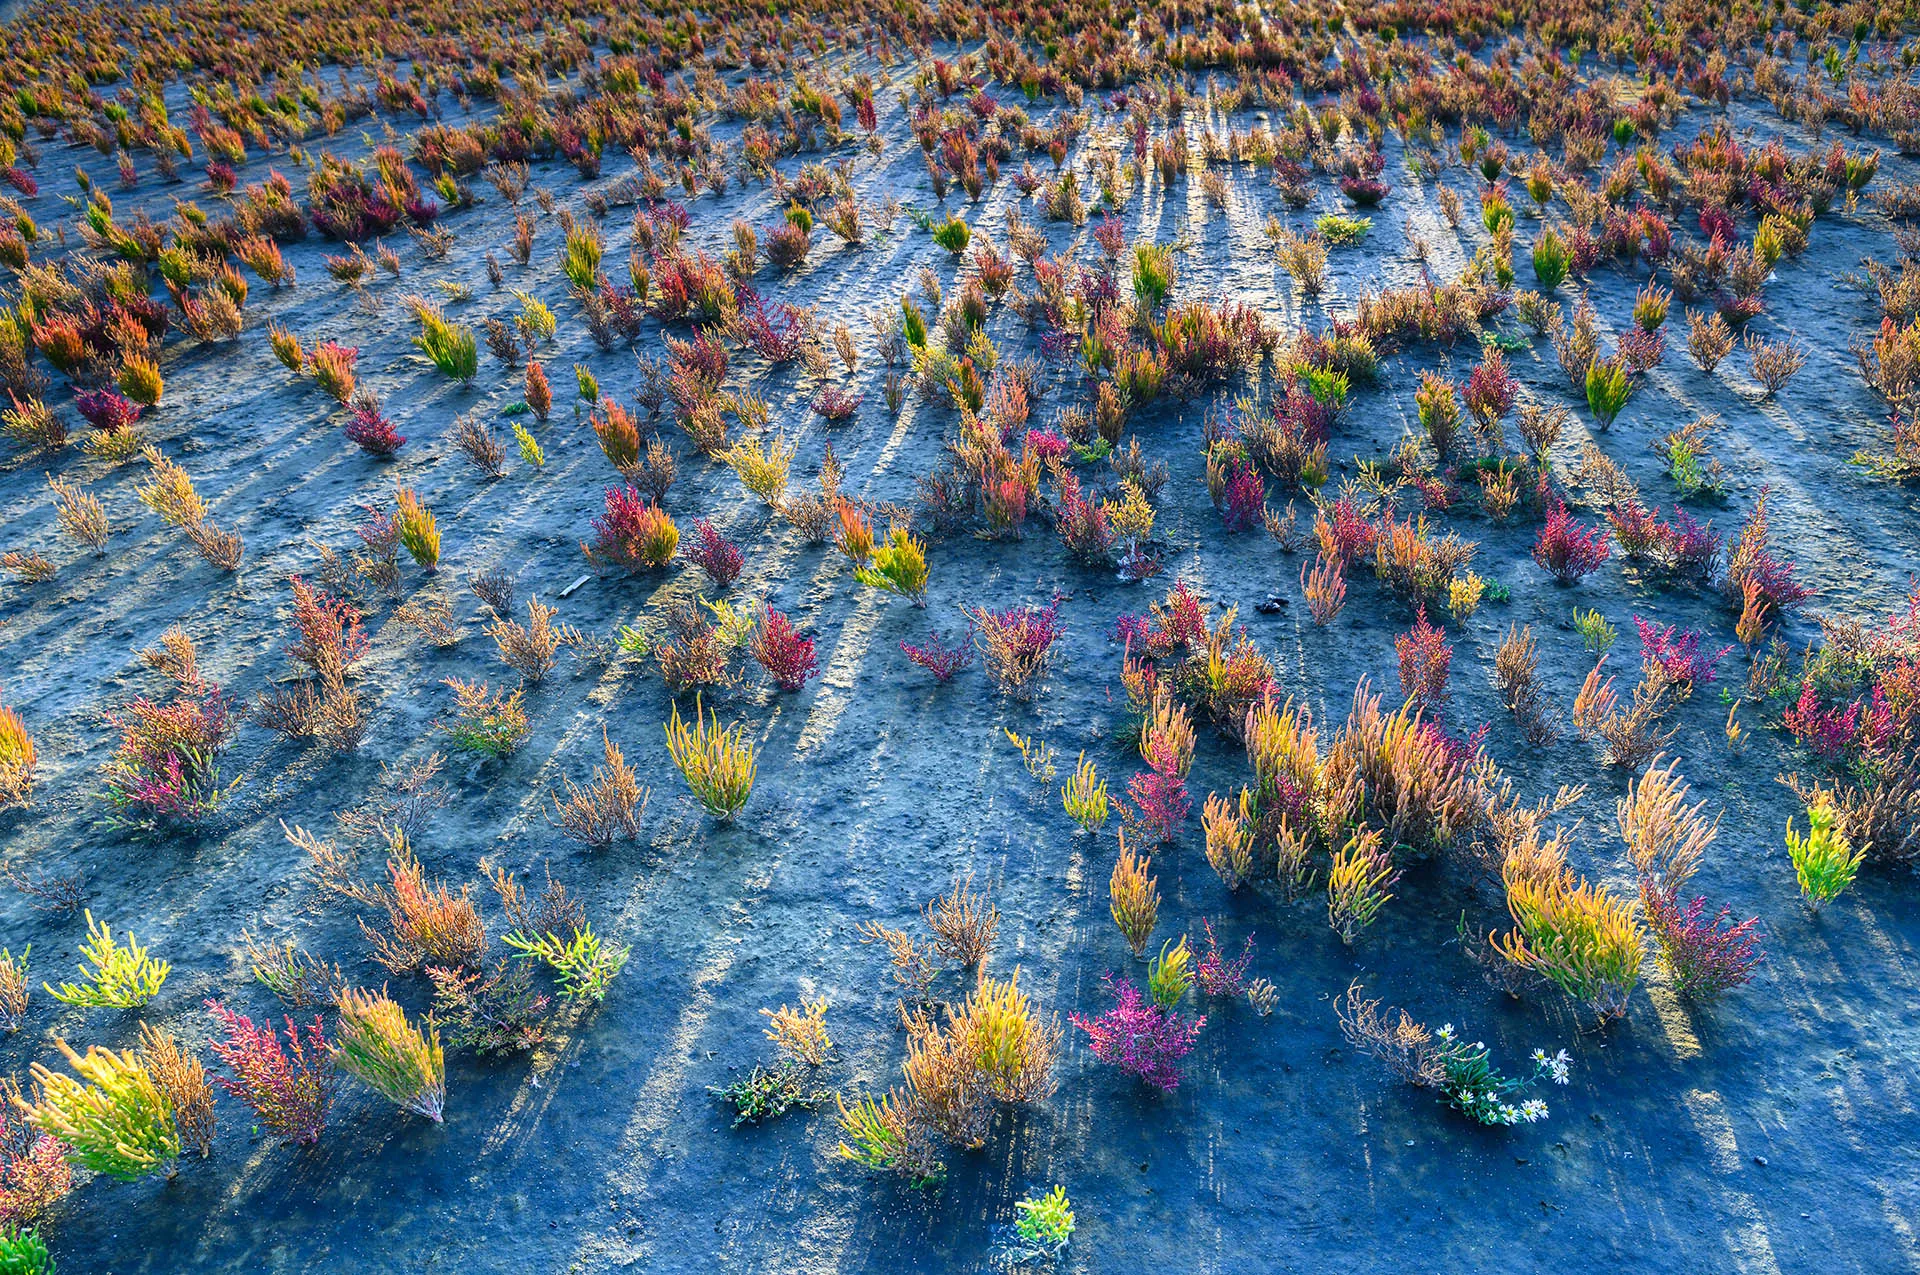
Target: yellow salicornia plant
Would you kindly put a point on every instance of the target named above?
(376, 1045)
(898, 566)
(18, 759)
(116, 977)
(1011, 1047)
(113, 1118)
(1583, 938)
(1133, 898)
(800, 1034)
(1358, 884)
(418, 531)
(1085, 796)
(1229, 837)
(1170, 974)
(718, 764)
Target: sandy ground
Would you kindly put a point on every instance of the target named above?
(1775, 1134)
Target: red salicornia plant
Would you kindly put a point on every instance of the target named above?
(1569, 549)
(779, 648)
(944, 662)
(1017, 645)
(1139, 1037)
(288, 1088)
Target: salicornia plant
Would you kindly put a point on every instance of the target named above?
(718, 764)
(1823, 859)
(113, 1118)
(1085, 796)
(1046, 1222)
(119, 977)
(585, 964)
(376, 1045)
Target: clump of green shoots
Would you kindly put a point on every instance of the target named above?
(718, 764)
(1046, 1222)
(116, 977)
(1085, 796)
(1595, 633)
(1824, 859)
(585, 965)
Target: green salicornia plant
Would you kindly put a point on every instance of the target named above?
(1824, 860)
(23, 1252)
(1595, 633)
(1549, 260)
(1085, 796)
(1608, 386)
(1170, 974)
(119, 977)
(898, 566)
(953, 235)
(449, 346)
(586, 965)
(1357, 884)
(1046, 1222)
(113, 1119)
(581, 261)
(377, 1046)
(718, 764)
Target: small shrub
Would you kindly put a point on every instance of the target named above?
(18, 760)
(119, 977)
(1139, 1037)
(585, 964)
(714, 554)
(898, 566)
(34, 1173)
(963, 920)
(1170, 974)
(1133, 899)
(1824, 860)
(113, 1118)
(1550, 260)
(288, 1088)
(449, 346)
(608, 809)
(1579, 936)
(1358, 881)
(767, 1093)
(1709, 339)
(632, 533)
(779, 648)
(23, 1252)
(419, 533)
(718, 765)
(1609, 384)
(492, 725)
(1703, 956)
(1084, 796)
(376, 1045)
(1045, 1222)
(1773, 363)
(374, 433)
(800, 1034)
(180, 1077)
(1017, 645)
(1568, 549)
(944, 662)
